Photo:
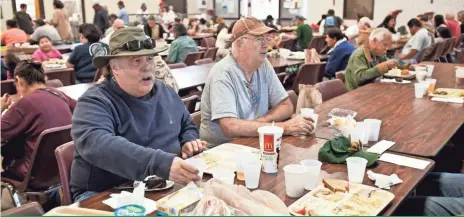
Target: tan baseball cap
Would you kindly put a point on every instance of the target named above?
(249, 25)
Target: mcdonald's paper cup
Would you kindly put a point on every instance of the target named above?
(270, 138)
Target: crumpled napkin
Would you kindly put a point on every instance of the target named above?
(126, 198)
(386, 80)
(384, 181)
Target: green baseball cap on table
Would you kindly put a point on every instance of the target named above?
(129, 41)
(337, 150)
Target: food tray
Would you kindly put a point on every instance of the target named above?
(451, 93)
(412, 75)
(222, 157)
(356, 202)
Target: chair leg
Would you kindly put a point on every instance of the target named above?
(16, 199)
(12, 192)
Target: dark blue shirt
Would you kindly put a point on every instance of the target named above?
(82, 56)
(119, 137)
(338, 59)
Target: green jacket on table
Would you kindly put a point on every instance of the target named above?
(363, 68)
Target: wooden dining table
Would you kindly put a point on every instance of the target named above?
(293, 150)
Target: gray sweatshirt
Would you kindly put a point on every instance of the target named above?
(119, 138)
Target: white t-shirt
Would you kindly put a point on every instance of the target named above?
(169, 17)
(418, 41)
(221, 42)
(352, 30)
(142, 15)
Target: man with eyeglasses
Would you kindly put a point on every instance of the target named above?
(243, 93)
(131, 125)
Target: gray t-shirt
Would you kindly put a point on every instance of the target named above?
(47, 30)
(227, 93)
(419, 42)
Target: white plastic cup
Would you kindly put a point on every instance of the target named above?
(312, 174)
(295, 179)
(224, 176)
(241, 157)
(252, 170)
(374, 129)
(419, 90)
(420, 76)
(199, 164)
(365, 128)
(430, 70)
(306, 112)
(459, 76)
(356, 168)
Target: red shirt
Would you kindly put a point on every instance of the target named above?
(454, 27)
(26, 120)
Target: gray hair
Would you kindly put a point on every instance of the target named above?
(379, 34)
(449, 16)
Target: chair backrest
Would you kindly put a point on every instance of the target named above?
(196, 118)
(425, 52)
(190, 102)
(98, 74)
(190, 58)
(66, 76)
(458, 40)
(55, 83)
(340, 75)
(211, 53)
(28, 209)
(293, 98)
(64, 156)
(286, 43)
(309, 73)
(331, 89)
(318, 43)
(443, 48)
(177, 65)
(281, 76)
(8, 87)
(43, 171)
(208, 42)
(431, 56)
(204, 61)
(449, 46)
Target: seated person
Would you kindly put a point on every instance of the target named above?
(304, 34)
(176, 21)
(443, 33)
(352, 32)
(153, 29)
(368, 61)
(133, 118)
(112, 18)
(13, 34)
(269, 22)
(44, 29)
(117, 25)
(439, 194)
(39, 109)
(339, 53)
(389, 23)
(203, 24)
(81, 57)
(223, 40)
(192, 27)
(181, 46)
(243, 93)
(46, 50)
(419, 40)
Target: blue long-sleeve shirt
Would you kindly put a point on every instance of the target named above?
(338, 58)
(119, 137)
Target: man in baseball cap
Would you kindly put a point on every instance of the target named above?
(304, 34)
(131, 125)
(243, 93)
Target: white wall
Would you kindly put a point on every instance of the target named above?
(7, 10)
(315, 8)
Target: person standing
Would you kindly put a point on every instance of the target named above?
(122, 14)
(142, 14)
(24, 20)
(332, 20)
(60, 21)
(100, 20)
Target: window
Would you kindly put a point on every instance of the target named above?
(354, 7)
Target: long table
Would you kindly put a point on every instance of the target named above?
(295, 149)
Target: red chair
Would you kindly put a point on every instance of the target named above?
(204, 61)
(211, 53)
(308, 74)
(331, 89)
(43, 168)
(64, 156)
(177, 65)
(190, 58)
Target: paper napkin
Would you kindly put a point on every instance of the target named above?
(380, 147)
(386, 80)
(384, 181)
(404, 161)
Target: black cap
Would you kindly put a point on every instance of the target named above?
(299, 17)
(40, 22)
(269, 17)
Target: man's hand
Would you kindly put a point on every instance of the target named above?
(193, 147)
(182, 173)
(5, 102)
(298, 124)
(392, 64)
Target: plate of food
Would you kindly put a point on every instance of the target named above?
(335, 198)
(398, 73)
(448, 93)
(152, 183)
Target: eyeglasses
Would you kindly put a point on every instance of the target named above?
(260, 40)
(135, 45)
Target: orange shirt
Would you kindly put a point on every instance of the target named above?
(14, 35)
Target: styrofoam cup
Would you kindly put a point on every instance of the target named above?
(224, 176)
(420, 75)
(312, 174)
(295, 179)
(306, 112)
(356, 168)
(240, 158)
(252, 171)
(430, 70)
(365, 128)
(199, 164)
(374, 129)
